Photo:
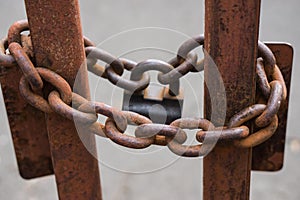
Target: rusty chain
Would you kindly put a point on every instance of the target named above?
(271, 85)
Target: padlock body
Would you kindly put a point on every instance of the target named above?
(160, 108)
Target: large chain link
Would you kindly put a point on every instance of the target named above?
(269, 80)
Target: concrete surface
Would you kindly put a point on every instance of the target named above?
(156, 174)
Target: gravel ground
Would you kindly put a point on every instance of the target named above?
(155, 173)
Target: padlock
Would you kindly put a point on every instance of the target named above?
(155, 102)
(161, 104)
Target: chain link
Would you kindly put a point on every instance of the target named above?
(180, 70)
(63, 109)
(6, 60)
(189, 150)
(131, 85)
(14, 32)
(36, 99)
(156, 65)
(27, 67)
(273, 105)
(269, 80)
(95, 53)
(118, 137)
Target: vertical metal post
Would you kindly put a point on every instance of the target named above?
(231, 34)
(57, 40)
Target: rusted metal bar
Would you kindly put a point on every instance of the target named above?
(27, 124)
(269, 156)
(231, 34)
(57, 40)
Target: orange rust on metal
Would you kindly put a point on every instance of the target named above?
(269, 156)
(27, 126)
(57, 41)
(26, 66)
(260, 136)
(231, 35)
(223, 134)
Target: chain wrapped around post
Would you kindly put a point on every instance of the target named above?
(269, 80)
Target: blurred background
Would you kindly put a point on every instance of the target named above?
(121, 27)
